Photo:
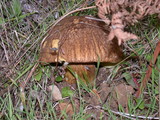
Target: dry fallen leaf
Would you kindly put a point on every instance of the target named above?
(94, 97)
(122, 92)
(105, 90)
(56, 94)
(67, 107)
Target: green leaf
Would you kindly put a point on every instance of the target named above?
(148, 57)
(16, 7)
(1, 21)
(141, 106)
(25, 15)
(157, 90)
(38, 76)
(67, 92)
(129, 79)
(140, 103)
(59, 79)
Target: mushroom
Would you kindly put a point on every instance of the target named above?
(81, 42)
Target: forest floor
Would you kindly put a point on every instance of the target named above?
(24, 24)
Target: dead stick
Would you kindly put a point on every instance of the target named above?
(23, 83)
(149, 71)
(80, 9)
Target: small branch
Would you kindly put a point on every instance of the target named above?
(135, 116)
(23, 83)
(126, 115)
(5, 51)
(149, 71)
(77, 10)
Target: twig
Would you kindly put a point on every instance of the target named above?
(149, 71)
(135, 116)
(5, 51)
(23, 84)
(93, 18)
(79, 9)
(127, 115)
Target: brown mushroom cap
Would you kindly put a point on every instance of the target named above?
(77, 39)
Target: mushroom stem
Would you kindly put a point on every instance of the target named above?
(84, 71)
